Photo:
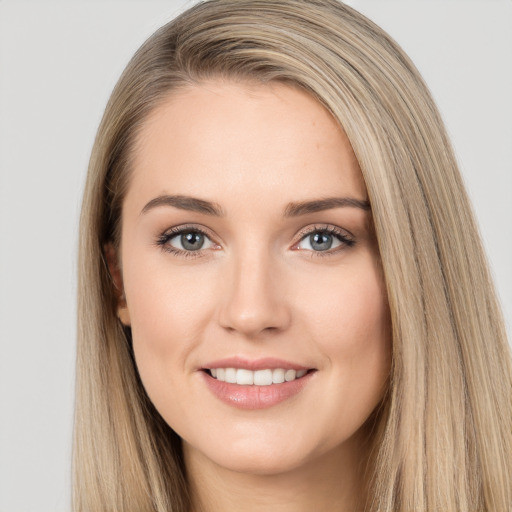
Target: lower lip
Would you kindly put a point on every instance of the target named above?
(255, 397)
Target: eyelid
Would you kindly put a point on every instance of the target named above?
(180, 228)
(323, 227)
(170, 233)
(346, 237)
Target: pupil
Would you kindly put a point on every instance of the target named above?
(192, 241)
(320, 241)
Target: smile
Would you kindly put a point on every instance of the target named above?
(264, 377)
(256, 384)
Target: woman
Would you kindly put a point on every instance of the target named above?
(283, 299)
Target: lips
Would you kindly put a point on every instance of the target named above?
(255, 384)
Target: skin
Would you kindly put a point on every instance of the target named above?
(256, 289)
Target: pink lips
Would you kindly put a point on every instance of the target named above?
(252, 396)
(257, 364)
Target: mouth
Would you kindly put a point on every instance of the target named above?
(247, 383)
(262, 377)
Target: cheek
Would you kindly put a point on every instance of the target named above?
(349, 306)
(352, 326)
(169, 309)
(167, 303)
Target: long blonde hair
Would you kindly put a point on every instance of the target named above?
(442, 439)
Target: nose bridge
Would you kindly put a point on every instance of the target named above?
(254, 302)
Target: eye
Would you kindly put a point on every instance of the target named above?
(185, 241)
(190, 241)
(326, 239)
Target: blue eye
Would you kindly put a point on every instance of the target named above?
(189, 241)
(323, 240)
(185, 241)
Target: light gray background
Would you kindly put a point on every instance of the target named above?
(58, 64)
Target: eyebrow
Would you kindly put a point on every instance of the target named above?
(188, 203)
(318, 205)
(194, 204)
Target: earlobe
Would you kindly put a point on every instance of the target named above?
(117, 279)
(124, 314)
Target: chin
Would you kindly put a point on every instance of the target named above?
(264, 464)
(261, 464)
(263, 456)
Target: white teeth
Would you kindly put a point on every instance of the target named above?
(263, 377)
(290, 375)
(258, 378)
(278, 376)
(244, 376)
(230, 375)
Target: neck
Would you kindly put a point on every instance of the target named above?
(332, 481)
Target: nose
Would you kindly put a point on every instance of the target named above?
(255, 302)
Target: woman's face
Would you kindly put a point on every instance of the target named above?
(247, 253)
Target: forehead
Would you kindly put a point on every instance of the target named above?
(229, 139)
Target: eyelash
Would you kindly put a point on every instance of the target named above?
(163, 239)
(346, 239)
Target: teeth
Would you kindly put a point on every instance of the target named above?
(290, 375)
(278, 376)
(230, 375)
(244, 377)
(263, 377)
(257, 378)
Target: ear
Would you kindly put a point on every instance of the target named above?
(117, 278)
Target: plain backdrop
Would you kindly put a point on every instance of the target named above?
(58, 64)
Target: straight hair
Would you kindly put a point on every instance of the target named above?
(442, 438)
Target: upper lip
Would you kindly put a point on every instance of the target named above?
(254, 364)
